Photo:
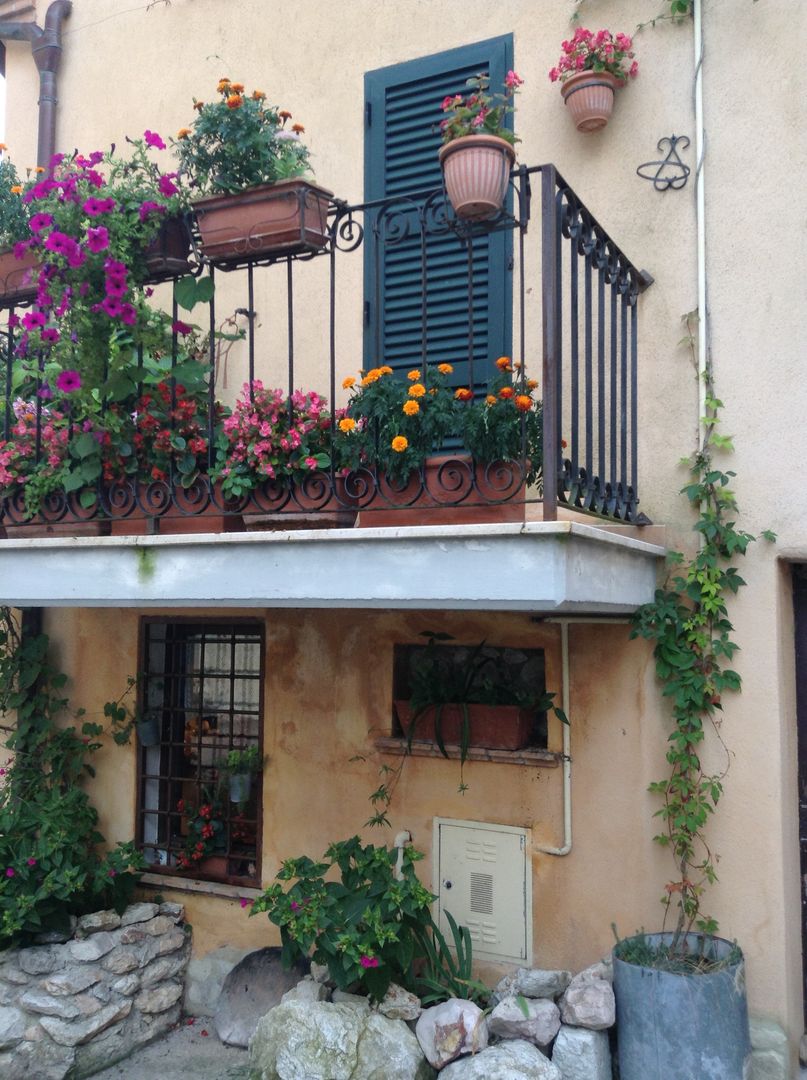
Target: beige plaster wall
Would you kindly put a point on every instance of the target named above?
(127, 70)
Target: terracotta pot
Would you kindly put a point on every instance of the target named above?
(17, 276)
(454, 491)
(132, 518)
(589, 97)
(318, 502)
(271, 219)
(167, 254)
(495, 727)
(476, 169)
(39, 527)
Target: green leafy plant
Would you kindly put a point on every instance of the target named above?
(238, 142)
(366, 926)
(448, 971)
(693, 645)
(52, 863)
(248, 761)
(479, 112)
(14, 213)
(205, 828)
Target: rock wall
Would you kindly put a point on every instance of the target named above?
(85, 1002)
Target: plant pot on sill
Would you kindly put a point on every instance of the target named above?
(167, 254)
(495, 727)
(240, 785)
(70, 519)
(476, 169)
(149, 508)
(452, 490)
(17, 276)
(149, 730)
(318, 501)
(271, 219)
(589, 97)
(676, 1026)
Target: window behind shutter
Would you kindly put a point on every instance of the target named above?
(402, 139)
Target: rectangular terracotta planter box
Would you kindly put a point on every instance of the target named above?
(271, 219)
(17, 276)
(495, 727)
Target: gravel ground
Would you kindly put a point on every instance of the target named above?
(186, 1053)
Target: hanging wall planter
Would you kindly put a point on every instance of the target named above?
(476, 169)
(589, 97)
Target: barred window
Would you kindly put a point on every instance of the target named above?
(201, 701)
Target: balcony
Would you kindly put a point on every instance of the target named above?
(568, 451)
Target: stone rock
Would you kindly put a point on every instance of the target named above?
(166, 968)
(160, 924)
(769, 1065)
(12, 975)
(34, 1033)
(175, 912)
(37, 1061)
(57, 937)
(399, 1004)
(540, 1026)
(452, 1028)
(511, 1060)
(39, 960)
(205, 977)
(13, 1023)
(581, 1054)
(589, 1005)
(121, 961)
(68, 1008)
(603, 969)
(127, 985)
(138, 913)
(133, 935)
(93, 948)
(8, 994)
(72, 981)
(74, 1034)
(320, 972)
(166, 943)
(306, 990)
(356, 1001)
(767, 1035)
(325, 1041)
(102, 992)
(99, 920)
(533, 983)
(160, 998)
(253, 987)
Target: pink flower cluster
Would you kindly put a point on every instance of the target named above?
(600, 51)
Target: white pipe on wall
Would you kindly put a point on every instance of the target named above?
(700, 216)
(567, 751)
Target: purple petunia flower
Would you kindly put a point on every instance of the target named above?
(33, 320)
(39, 222)
(112, 307)
(32, 862)
(21, 249)
(153, 139)
(76, 255)
(128, 315)
(97, 238)
(68, 381)
(94, 207)
(51, 334)
(148, 207)
(10, 871)
(180, 327)
(44, 392)
(13, 320)
(167, 186)
(59, 243)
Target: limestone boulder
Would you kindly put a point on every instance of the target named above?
(540, 1025)
(589, 1005)
(450, 1029)
(533, 983)
(253, 987)
(307, 989)
(511, 1060)
(581, 1054)
(205, 978)
(399, 1004)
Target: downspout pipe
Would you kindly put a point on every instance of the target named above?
(46, 49)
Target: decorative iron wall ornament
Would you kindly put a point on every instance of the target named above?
(670, 172)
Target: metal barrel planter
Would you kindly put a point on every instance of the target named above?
(673, 1026)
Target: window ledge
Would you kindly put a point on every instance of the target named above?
(545, 759)
(195, 885)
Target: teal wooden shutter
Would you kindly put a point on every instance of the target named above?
(402, 114)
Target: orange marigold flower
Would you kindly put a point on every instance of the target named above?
(417, 390)
(399, 444)
(414, 376)
(445, 369)
(3, 146)
(532, 384)
(198, 105)
(183, 133)
(284, 114)
(411, 408)
(503, 363)
(348, 382)
(347, 424)
(237, 87)
(372, 376)
(523, 402)
(258, 95)
(39, 169)
(463, 394)
(506, 392)
(298, 128)
(16, 189)
(491, 399)
(223, 86)
(385, 370)
(235, 101)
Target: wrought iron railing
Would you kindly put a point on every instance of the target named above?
(586, 321)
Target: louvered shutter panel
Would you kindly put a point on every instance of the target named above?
(403, 113)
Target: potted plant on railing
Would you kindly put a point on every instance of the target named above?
(478, 148)
(204, 840)
(16, 262)
(249, 170)
(591, 68)
(240, 766)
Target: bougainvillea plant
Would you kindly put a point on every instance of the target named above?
(587, 50)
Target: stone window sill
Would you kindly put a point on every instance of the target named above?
(195, 885)
(544, 759)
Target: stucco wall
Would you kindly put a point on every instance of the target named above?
(313, 62)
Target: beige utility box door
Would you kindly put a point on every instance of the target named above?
(482, 878)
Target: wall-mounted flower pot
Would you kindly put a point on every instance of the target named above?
(17, 276)
(149, 731)
(589, 97)
(271, 219)
(476, 169)
(240, 787)
(453, 490)
(167, 254)
(495, 727)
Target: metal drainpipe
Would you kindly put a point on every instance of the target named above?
(46, 48)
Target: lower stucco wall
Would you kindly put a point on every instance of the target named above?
(328, 696)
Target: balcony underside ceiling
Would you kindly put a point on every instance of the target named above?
(551, 567)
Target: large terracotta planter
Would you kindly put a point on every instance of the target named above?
(476, 169)
(39, 528)
(17, 276)
(495, 727)
(131, 516)
(454, 490)
(167, 254)
(589, 97)
(272, 219)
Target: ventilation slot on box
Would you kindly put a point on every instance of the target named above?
(482, 894)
